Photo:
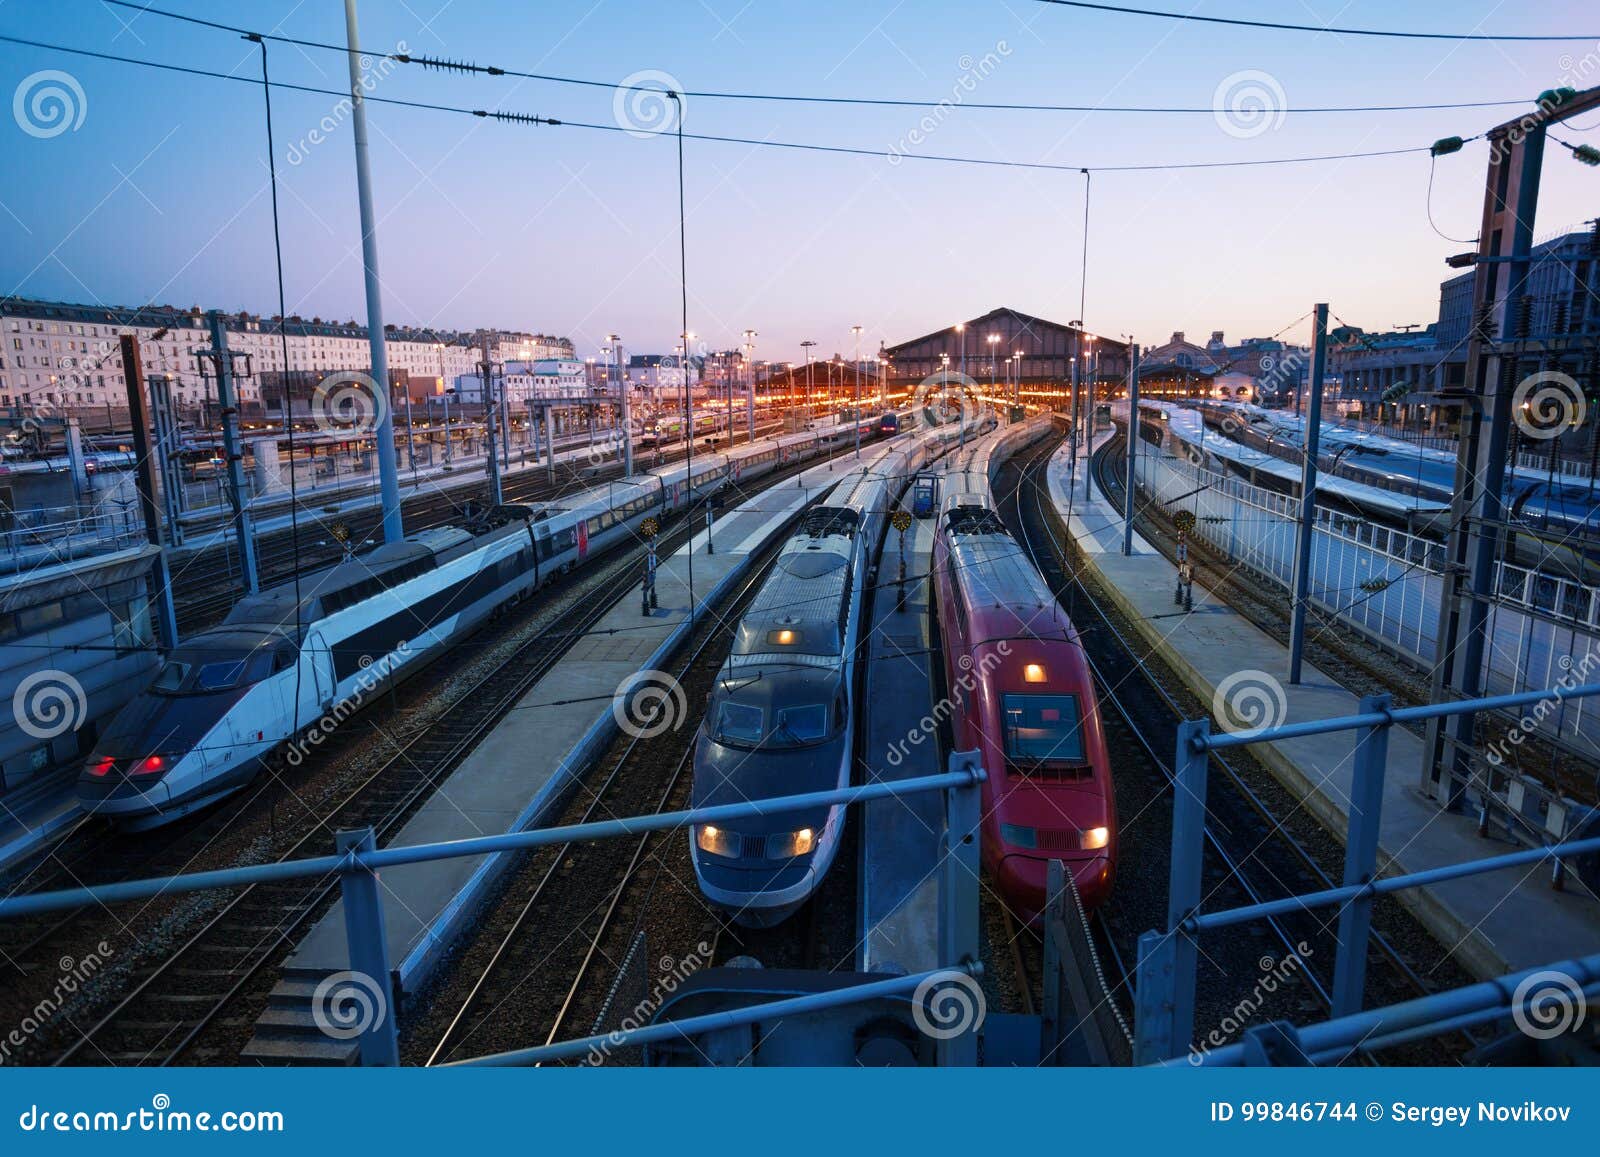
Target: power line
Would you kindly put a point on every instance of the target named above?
(799, 98)
(1285, 26)
(756, 142)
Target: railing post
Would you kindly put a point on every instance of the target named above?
(1183, 887)
(369, 950)
(1361, 857)
(958, 893)
(1153, 999)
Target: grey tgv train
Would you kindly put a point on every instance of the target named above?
(781, 719)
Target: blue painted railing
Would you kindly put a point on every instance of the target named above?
(1168, 959)
(358, 862)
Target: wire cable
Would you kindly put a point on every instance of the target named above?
(288, 381)
(1433, 161)
(1286, 26)
(754, 142)
(788, 98)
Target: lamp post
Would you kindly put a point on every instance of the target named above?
(993, 339)
(627, 412)
(961, 332)
(806, 345)
(856, 331)
(750, 336)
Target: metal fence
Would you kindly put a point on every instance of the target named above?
(357, 862)
(1169, 959)
(1387, 583)
(44, 534)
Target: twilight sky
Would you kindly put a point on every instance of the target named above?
(161, 193)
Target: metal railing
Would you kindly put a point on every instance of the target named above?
(43, 534)
(1387, 583)
(1168, 960)
(358, 861)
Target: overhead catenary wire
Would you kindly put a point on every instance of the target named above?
(511, 117)
(1290, 26)
(467, 67)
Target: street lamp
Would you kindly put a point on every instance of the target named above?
(750, 336)
(627, 412)
(856, 330)
(961, 330)
(993, 340)
(806, 345)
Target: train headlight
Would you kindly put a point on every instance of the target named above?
(717, 842)
(1033, 673)
(1092, 839)
(1019, 837)
(787, 845)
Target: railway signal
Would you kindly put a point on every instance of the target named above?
(1183, 597)
(901, 521)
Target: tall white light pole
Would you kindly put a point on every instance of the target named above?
(627, 410)
(856, 330)
(750, 336)
(388, 476)
(806, 345)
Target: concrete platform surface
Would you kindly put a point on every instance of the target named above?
(901, 839)
(1491, 923)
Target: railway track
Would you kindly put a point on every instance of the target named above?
(171, 1001)
(1261, 844)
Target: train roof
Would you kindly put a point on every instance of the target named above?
(799, 609)
(286, 606)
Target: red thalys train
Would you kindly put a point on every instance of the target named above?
(1024, 698)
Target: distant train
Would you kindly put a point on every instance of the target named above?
(781, 719)
(1024, 698)
(284, 659)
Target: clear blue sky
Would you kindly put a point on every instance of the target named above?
(160, 193)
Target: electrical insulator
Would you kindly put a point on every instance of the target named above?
(1446, 145)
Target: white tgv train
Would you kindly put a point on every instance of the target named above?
(228, 697)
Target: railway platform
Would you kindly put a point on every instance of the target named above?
(902, 838)
(1491, 924)
(525, 768)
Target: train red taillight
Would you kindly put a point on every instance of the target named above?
(153, 765)
(101, 767)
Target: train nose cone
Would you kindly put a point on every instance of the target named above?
(1023, 881)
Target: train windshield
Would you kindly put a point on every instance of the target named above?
(766, 715)
(210, 671)
(1042, 728)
